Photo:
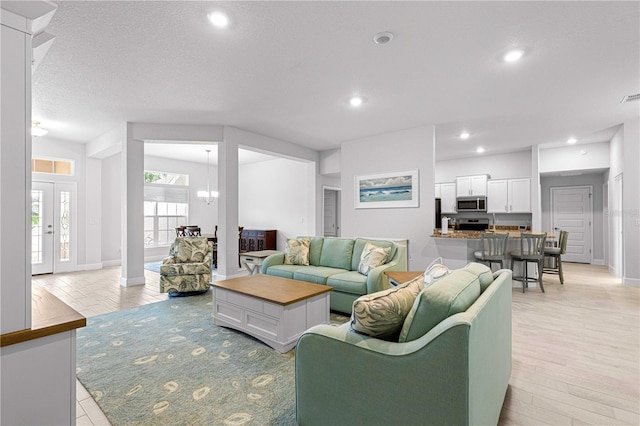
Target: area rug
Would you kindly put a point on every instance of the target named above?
(167, 364)
(153, 266)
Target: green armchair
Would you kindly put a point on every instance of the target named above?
(187, 269)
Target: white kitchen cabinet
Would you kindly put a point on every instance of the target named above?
(438, 192)
(471, 186)
(509, 195)
(519, 191)
(448, 197)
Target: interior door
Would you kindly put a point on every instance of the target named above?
(571, 211)
(331, 212)
(42, 232)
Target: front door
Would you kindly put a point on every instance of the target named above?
(52, 246)
(571, 211)
(42, 235)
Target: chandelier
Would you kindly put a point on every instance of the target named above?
(208, 196)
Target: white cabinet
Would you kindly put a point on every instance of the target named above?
(438, 192)
(471, 186)
(519, 191)
(509, 196)
(448, 197)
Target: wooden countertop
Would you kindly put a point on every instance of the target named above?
(49, 315)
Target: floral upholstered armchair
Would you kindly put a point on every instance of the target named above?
(188, 267)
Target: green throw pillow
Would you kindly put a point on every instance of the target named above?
(297, 251)
(382, 314)
(372, 257)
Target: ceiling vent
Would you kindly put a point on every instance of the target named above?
(630, 98)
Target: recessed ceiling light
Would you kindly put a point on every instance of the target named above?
(355, 101)
(513, 56)
(383, 37)
(218, 19)
(464, 135)
(583, 152)
(479, 150)
(571, 141)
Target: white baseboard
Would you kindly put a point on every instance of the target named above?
(107, 263)
(128, 282)
(89, 267)
(631, 282)
(154, 258)
(599, 262)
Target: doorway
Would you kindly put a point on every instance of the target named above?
(331, 212)
(52, 227)
(572, 211)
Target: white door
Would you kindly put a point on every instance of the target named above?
(331, 212)
(52, 227)
(571, 211)
(42, 234)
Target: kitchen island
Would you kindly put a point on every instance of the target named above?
(456, 247)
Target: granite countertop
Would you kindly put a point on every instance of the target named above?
(513, 232)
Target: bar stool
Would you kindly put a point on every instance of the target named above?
(494, 248)
(531, 251)
(555, 253)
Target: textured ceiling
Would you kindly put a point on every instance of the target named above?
(287, 70)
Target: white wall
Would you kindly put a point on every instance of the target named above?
(596, 181)
(111, 202)
(391, 152)
(625, 157)
(273, 195)
(569, 158)
(517, 164)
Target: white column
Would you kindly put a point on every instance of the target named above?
(228, 206)
(631, 203)
(15, 175)
(536, 200)
(132, 211)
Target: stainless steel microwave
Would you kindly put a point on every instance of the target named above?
(478, 204)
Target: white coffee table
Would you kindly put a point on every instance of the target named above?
(274, 310)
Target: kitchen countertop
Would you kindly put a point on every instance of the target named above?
(475, 235)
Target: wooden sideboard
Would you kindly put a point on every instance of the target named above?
(257, 240)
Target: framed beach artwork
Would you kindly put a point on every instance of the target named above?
(387, 190)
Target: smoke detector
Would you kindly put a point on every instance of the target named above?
(383, 37)
(630, 98)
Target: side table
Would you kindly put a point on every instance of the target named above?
(252, 260)
(399, 277)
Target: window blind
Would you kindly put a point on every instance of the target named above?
(166, 193)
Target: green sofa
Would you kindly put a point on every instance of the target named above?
(334, 262)
(455, 373)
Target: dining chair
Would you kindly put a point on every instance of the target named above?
(494, 248)
(531, 251)
(181, 231)
(555, 256)
(192, 231)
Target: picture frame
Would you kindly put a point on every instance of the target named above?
(387, 190)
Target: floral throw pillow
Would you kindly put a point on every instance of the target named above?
(382, 314)
(297, 251)
(372, 257)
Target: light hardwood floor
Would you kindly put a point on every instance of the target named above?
(575, 347)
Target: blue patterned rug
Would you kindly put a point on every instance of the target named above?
(167, 364)
(153, 266)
